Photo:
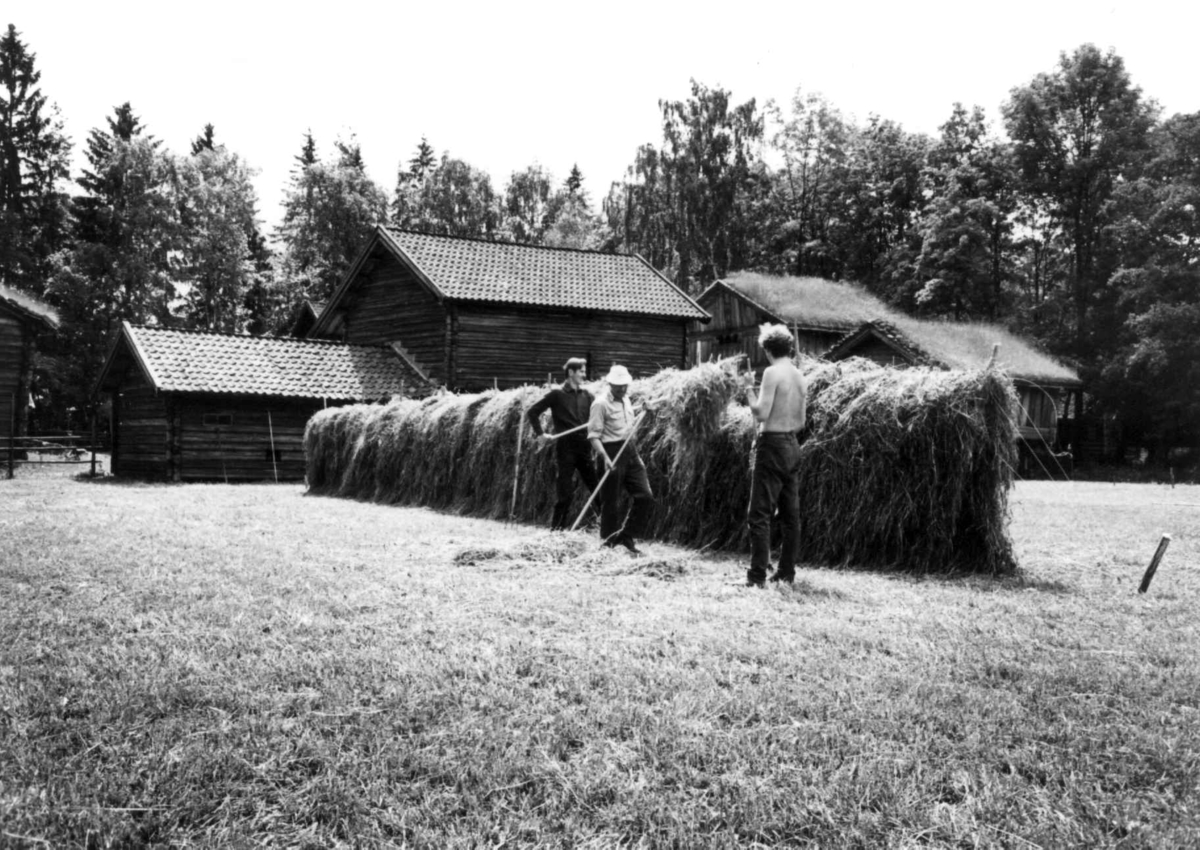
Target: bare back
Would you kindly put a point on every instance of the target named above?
(782, 405)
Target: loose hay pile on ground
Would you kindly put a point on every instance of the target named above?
(901, 468)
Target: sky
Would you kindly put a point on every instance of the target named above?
(503, 85)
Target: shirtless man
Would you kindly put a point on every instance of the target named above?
(780, 408)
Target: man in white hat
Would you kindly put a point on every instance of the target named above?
(610, 427)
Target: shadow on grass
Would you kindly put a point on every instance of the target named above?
(803, 589)
(1017, 581)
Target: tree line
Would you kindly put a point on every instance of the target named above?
(1075, 226)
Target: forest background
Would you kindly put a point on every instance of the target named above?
(1073, 223)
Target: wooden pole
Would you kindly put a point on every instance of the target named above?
(271, 432)
(569, 431)
(1150, 570)
(512, 507)
(93, 442)
(12, 433)
(221, 452)
(608, 472)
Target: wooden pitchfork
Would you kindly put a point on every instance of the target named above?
(608, 472)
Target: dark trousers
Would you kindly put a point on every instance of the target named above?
(630, 476)
(573, 455)
(774, 484)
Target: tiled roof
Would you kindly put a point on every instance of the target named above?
(191, 361)
(28, 306)
(475, 270)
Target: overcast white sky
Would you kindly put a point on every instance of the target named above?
(505, 84)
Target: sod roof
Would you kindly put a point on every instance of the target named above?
(197, 362)
(808, 302)
(476, 270)
(815, 303)
(28, 307)
(959, 345)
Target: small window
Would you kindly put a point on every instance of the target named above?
(218, 420)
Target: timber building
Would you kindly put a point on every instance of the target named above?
(22, 319)
(473, 314)
(834, 321)
(188, 405)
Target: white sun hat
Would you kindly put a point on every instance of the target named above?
(619, 375)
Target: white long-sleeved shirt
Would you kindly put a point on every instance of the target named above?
(609, 420)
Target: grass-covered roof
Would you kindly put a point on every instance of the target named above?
(811, 302)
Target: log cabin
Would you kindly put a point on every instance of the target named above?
(188, 405)
(473, 314)
(836, 320)
(1045, 388)
(819, 313)
(305, 317)
(22, 319)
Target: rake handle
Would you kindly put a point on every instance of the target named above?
(608, 472)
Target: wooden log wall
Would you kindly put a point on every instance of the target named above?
(517, 345)
(388, 304)
(229, 437)
(141, 438)
(11, 348)
(729, 313)
(734, 330)
(877, 351)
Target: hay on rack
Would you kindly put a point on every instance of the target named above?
(900, 468)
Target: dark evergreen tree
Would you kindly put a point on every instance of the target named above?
(330, 211)
(308, 152)
(423, 161)
(574, 183)
(33, 161)
(126, 234)
(205, 141)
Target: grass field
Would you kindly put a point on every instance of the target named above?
(212, 665)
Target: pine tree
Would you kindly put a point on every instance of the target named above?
(126, 235)
(308, 152)
(424, 161)
(330, 209)
(205, 141)
(33, 159)
(574, 184)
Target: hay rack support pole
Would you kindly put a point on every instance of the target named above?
(1158, 555)
(608, 472)
(512, 505)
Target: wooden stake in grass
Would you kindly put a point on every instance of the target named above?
(512, 508)
(1150, 570)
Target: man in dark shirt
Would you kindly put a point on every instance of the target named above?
(569, 406)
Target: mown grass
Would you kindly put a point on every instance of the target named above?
(247, 666)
